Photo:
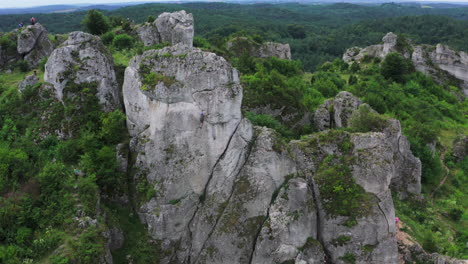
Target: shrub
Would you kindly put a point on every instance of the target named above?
(455, 214)
(123, 41)
(96, 23)
(42, 63)
(366, 120)
(270, 122)
(150, 19)
(108, 38)
(395, 66)
(22, 65)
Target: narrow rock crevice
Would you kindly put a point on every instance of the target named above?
(203, 196)
(383, 213)
(249, 151)
(319, 212)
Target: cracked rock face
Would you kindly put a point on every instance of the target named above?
(227, 192)
(34, 44)
(83, 58)
(335, 113)
(174, 28)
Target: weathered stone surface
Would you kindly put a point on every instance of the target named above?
(84, 59)
(291, 226)
(335, 113)
(227, 192)
(273, 49)
(148, 34)
(176, 27)
(381, 50)
(34, 44)
(29, 80)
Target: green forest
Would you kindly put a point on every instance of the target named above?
(316, 33)
(38, 190)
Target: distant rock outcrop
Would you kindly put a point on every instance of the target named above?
(441, 62)
(336, 112)
(379, 50)
(83, 58)
(34, 44)
(242, 45)
(174, 28)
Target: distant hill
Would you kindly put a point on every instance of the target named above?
(62, 8)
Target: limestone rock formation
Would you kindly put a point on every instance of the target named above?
(29, 80)
(148, 34)
(83, 59)
(34, 44)
(174, 28)
(241, 45)
(227, 192)
(273, 49)
(335, 113)
(380, 50)
(441, 62)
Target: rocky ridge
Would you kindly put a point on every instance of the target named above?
(441, 62)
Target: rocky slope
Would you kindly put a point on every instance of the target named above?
(441, 62)
(228, 192)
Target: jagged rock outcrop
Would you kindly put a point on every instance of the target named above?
(174, 28)
(227, 192)
(83, 59)
(336, 112)
(273, 49)
(34, 44)
(29, 80)
(380, 50)
(441, 62)
(243, 45)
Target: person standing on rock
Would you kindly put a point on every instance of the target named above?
(20, 25)
(33, 21)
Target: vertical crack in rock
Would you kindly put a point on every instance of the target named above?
(203, 196)
(319, 211)
(246, 159)
(383, 213)
(254, 244)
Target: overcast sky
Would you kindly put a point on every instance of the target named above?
(29, 3)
